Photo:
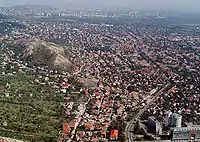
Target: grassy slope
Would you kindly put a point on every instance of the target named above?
(37, 115)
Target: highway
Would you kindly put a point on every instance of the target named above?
(130, 125)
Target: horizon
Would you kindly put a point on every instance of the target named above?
(142, 5)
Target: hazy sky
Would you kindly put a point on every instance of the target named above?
(136, 4)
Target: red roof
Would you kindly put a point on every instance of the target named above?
(67, 98)
(64, 84)
(66, 128)
(106, 98)
(20, 71)
(114, 133)
(105, 105)
(88, 125)
(97, 94)
(81, 133)
(72, 123)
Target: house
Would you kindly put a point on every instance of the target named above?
(89, 126)
(72, 124)
(64, 84)
(66, 129)
(67, 98)
(98, 96)
(75, 69)
(114, 134)
(81, 134)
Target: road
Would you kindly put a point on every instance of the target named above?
(130, 125)
(78, 121)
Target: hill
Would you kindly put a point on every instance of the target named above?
(47, 54)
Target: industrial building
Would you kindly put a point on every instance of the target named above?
(186, 134)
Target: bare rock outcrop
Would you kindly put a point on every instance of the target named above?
(46, 53)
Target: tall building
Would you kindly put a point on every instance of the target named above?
(154, 126)
(167, 116)
(175, 120)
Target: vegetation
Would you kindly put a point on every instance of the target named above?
(29, 108)
(130, 115)
(6, 26)
(120, 125)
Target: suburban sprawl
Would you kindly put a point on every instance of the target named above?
(92, 75)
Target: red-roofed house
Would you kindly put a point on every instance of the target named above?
(80, 133)
(20, 71)
(75, 69)
(114, 134)
(89, 126)
(64, 84)
(67, 98)
(98, 96)
(66, 128)
(72, 123)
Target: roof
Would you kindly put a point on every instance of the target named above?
(81, 133)
(88, 125)
(152, 118)
(176, 115)
(72, 123)
(66, 128)
(114, 133)
(187, 128)
(67, 98)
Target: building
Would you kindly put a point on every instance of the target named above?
(114, 134)
(167, 116)
(66, 129)
(154, 126)
(175, 120)
(186, 134)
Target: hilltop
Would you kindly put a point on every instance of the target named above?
(48, 54)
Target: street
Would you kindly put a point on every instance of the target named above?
(130, 125)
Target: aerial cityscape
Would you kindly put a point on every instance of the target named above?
(98, 74)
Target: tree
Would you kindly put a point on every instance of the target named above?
(137, 127)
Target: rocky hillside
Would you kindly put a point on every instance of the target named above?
(45, 53)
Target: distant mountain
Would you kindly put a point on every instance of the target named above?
(28, 6)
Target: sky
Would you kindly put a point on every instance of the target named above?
(183, 5)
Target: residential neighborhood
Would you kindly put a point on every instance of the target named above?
(67, 77)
